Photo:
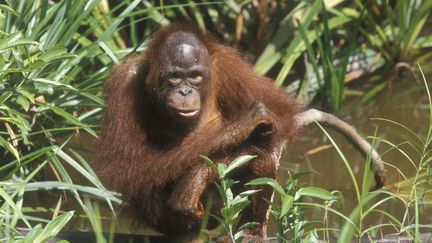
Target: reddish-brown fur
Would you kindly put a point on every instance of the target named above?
(146, 173)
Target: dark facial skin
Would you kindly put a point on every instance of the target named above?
(185, 77)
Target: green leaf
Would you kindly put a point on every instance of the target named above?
(348, 229)
(221, 192)
(301, 174)
(209, 163)
(14, 40)
(221, 170)
(32, 234)
(230, 182)
(268, 181)
(72, 119)
(52, 82)
(227, 214)
(54, 227)
(229, 196)
(27, 94)
(92, 97)
(37, 64)
(23, 102)
(5, 96)
(238, 207)
(238, 162)
(286, 204)
(7, 199)
(27, 158)
(8, 9)
(315, 192)
(81, 170)
(54, 54)
(50, 185)
(238, 199)
(109, 52)
(9, 147)
(248, 193)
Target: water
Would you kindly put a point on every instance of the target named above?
(404, 102)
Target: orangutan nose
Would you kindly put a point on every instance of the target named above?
(185, 91)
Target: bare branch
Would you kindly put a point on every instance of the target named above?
(307, 117)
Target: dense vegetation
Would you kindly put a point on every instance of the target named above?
(54, 56)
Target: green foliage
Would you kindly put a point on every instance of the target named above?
(398, 38)
(48, 95)
(407, 191)
(288, 213)
(232, 204)
(39, 234)
(329, 42)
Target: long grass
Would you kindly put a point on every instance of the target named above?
(406, 192)
(48, 96)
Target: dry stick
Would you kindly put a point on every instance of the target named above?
(307, 117)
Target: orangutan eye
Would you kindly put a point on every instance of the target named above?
(195, 78)
(175, 80)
